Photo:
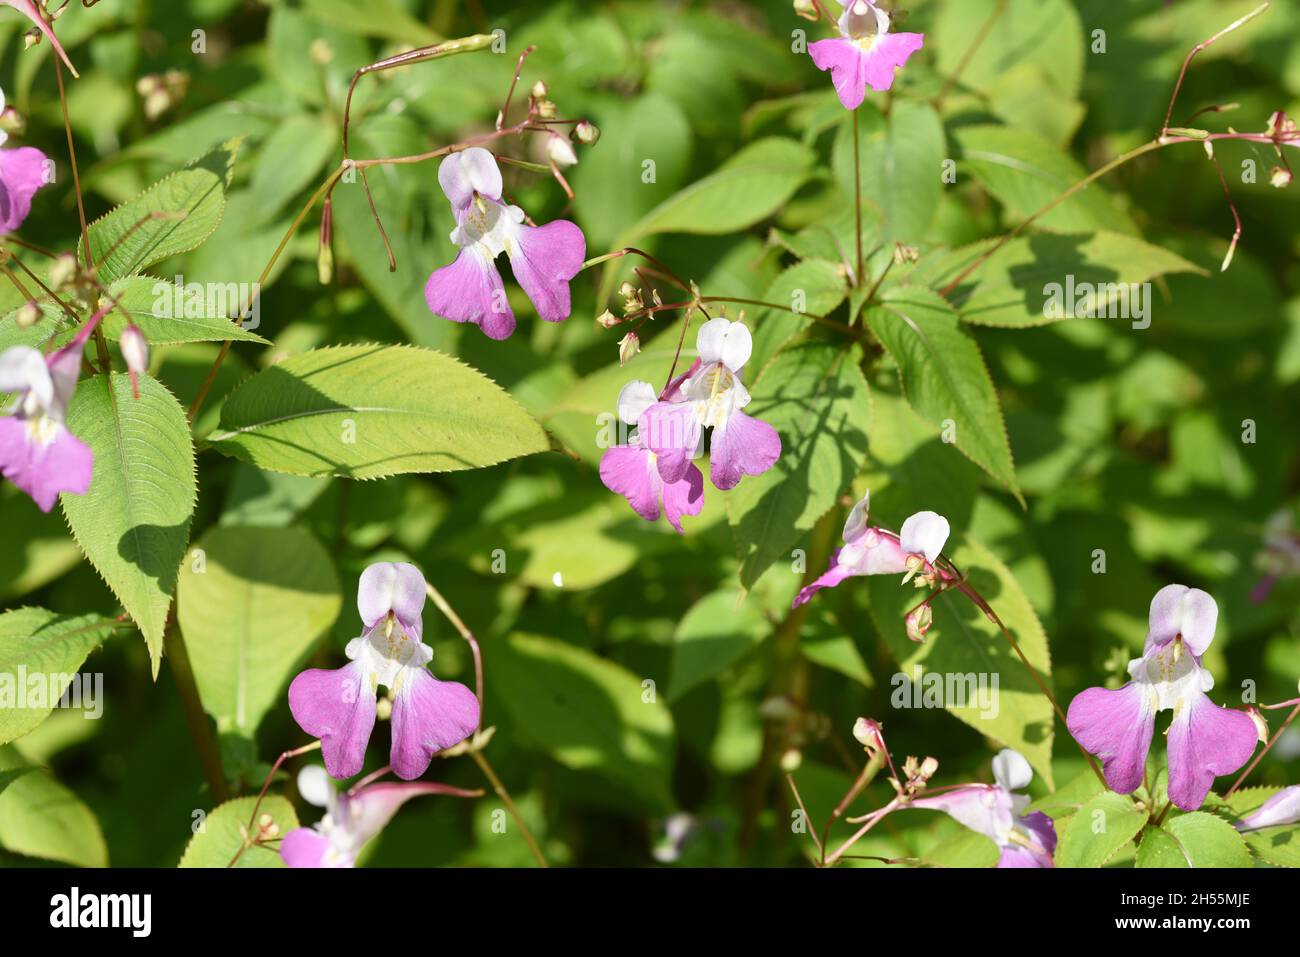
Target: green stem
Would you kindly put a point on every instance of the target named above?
(205, 742)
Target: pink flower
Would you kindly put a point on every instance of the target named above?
(1281, 809)
(631, 470)
(1205, 741)
(877, 551)
(37, 452)
(994, 810)
(864, 54)
(22, 172)
(711, 396)
(339, 706)
(543, 258)
(351, 818)
(28, 9)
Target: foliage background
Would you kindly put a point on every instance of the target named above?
(1123, 440)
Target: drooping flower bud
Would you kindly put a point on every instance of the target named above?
(868, 733)
(918, 622)
(135, 350)
(560, 151)
(586, 133)
(28, 315)
(1279, 177)
(805, 9)
(628, 347)
(608, 320)
(1261, 723)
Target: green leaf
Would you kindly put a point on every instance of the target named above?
(249, 610)
(965, 849)
(813, 287)
(166, 317)
(943, 375)
(1099, 831)
(222, 834)
(1199, 839)
(290, 158)
(172, 216)
(717, 631)
(134, 520)
(901, 159)
(373, 411)
(1043, 33)
(1279, 846)
(746, 189)
(964, 652)
(814, 395)
(1014, 287)
(50, 648)
(39, 817)
(1025, 173)
(588, 713)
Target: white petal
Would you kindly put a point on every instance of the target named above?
(856, 524)
(24, 369)
(924, 533)
(721, 340)
(636, 397)
(467, 172)
(1011, 770)
(315, 786)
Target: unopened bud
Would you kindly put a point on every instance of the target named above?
(586, 133)
(31, 38)
(791, 760)
(628, 346)
(12, 122)
(869, 734)
(905, 254)
(135, 350)
(320, 52)
(1279, 177)
(63, 270)
(28, 315)
(608, 320)
(546, 109)
(560, 151)
(1261, 723)
(540, 90)
(918, 622)
(805, 9)
(928, 768)
(325, 255)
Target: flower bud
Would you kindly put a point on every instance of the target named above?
(791, 760)
(560, 151)
(540, 90)
(63, 270)
(628, 346)
(28, 315)
(546, 109)
(805, 9)
(608, 320)
(869, 734)
(918, 622)
(12, 123)
(320, 52)
(1261, 723)
(1279, 177)
(586, 133)
(135, 350)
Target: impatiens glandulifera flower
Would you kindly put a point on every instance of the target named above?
(994, 810)
(632, 471)
(22, 173)
(37, 452)
(1205, 741)
(864, 54)
(338, 707)
(877, 551)
(28, 9)
(710, 395)
(1281, 809)
(135, 350)
(351, 818)
(543, 258)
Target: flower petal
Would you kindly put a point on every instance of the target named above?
(983, 808)
(398, 587)
(888, 53)
(848, 66)
(1117, 727)
(855, 526)
(1179, 610)
(22, 173)
(924, 533)
(23, 369)
(44, 469)
(464, 173)
(544, 259)
(745, 446)
(315, 786)
(832, 577)
(630, 471)
(635, 398)
(470, 290)
(338, 707)
(721, 340)
(876, 552)
(428, 716)
(306, 847)
(1206, 742)
(1011, 770)
(685, 497)
(1282, 808)
(1041, 834)
(672, 431)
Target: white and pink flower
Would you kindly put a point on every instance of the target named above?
(543, 258)
(865, 54)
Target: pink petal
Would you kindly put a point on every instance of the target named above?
(1179, 610)
(630, 471)
(887, 55)
(466, 172)
(470, 290)
(428, 716)
(1206, 742)
(339, 708)
(28, 9)
(833, 576)
(22, 173)
(1281, 809)
(684, 498)
(747, 446)
(671, 430)
(392, 586)
(544, 259)
(983, 808)
(305, 847)
(44, 471)
(1117, 727)
(848, 66)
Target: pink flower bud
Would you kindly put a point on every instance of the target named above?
(918, 622)
(868, 733)
(135, 350)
